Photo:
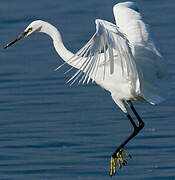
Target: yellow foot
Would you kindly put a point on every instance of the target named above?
(120, 161)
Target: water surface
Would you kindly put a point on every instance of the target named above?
(49, 130)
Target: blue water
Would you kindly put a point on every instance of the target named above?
(49, 130)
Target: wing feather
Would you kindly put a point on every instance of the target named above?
(108, 44)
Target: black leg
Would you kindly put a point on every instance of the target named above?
(118, 152)
(136, 128)
(135, 132)
(141, 123)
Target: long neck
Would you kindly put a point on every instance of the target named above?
(63, 52)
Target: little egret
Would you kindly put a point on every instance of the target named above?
(122, 58)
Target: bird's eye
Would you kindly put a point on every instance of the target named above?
(30, 30)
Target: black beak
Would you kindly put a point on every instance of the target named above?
(17, 39)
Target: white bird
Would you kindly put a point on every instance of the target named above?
(122, 58)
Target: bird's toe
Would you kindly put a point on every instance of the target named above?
(120, 161)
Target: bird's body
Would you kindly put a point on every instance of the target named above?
(121, 58)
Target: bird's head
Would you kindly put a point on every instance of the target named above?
(33, 27)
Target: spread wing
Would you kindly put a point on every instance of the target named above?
(99, 51)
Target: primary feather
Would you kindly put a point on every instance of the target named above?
(148, 59)
(106, 44)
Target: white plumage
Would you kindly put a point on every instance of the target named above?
(107, 47)
(149, 61)
(122, 58)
